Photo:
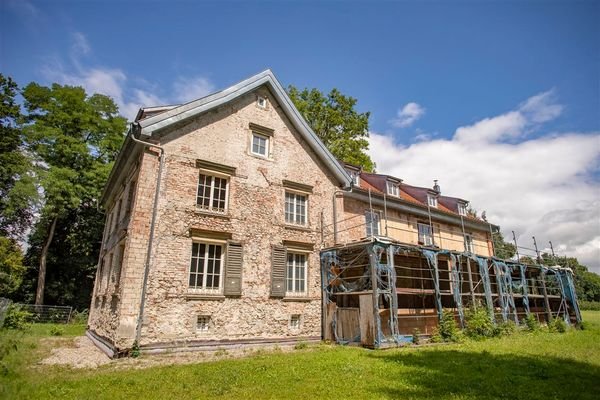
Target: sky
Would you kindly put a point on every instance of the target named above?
(498, 100)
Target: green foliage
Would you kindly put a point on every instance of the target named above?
(505, 328)
(532, 323)
(80, 317)
(135, 350)
(300, 345)
(590, 305)
(57, 331)
(503, 249)
(448, 329)
(16, 318)
(478, 324)
(558, 325)
(333, 117)
(11, 266)
(416, 336)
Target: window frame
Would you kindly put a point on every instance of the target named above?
(469, 243)
(203, 289)
(263, 100)
(393, 189)
(432, 201)
(295, 214)
(422, 236)
(267, 146)
(462, 209)
(294, 292)
(369, 226)
(213, 176)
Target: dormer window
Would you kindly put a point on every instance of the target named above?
(355, 175)
(393, 189)
(462, 209)
(432, 201)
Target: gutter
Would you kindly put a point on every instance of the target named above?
(138, 329)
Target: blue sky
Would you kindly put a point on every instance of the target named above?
(522, 75)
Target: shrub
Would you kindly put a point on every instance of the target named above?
(416, 336)
(16, 318)
(532, 323)
(448, 330)
(506, 328)
(300, 345)
(478, 324)
(557, 325)
(80, 317)
(589, 305)
(57, 331)
(135, 350)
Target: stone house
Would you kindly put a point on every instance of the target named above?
(215, 210)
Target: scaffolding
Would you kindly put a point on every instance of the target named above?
(378, 291)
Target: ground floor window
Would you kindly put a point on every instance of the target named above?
(206, 267)
(296, 274)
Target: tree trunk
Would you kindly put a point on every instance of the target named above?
(39, 294)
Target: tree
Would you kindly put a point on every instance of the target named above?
(334, 119)
(587, 283)
(17, 186)
(75, 139)
(503, 249)
(11, 266)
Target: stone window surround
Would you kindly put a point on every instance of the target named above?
(297, 189)
(264, 133)
(215, 170)
(205, 291)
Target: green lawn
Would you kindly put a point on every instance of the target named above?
(524, 366)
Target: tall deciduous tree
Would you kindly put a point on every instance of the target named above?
(75, 138)
(17, 188)
(334, 118)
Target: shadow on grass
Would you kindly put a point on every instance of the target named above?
(460, 374)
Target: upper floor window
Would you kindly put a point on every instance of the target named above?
(462, 209)
(261, 102)
(432, 201)
(425, 234)
(355, 175)
(212, 193)
(295, 208)
(206, 267)
(260, 145)
(296, 274)
(372, 223)
(393, 189)
(469, 243)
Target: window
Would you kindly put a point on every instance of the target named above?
(393, 189)
(260, 145)
(432, 201)
(130, 195)
(261, 102)
(206, 267)
(212, 193)
(469, 243)
(295, 321)
(372, 223)
(203, 323)
(295, 208)
(462, 209)
(355, 175)
(119, 207)
(425, 234)
(296, 274)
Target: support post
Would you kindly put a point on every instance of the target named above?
(471, 290)
(377, 322)
(545, 292)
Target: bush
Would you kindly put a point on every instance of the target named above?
(300, 345)
(448, 330)
(478, 324)
(589, 305)
(80, 317)
(57, 331)
(416, 336)
(532, 323)
(16, 318)
(557, 325)
(506, 328)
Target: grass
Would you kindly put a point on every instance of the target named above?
(523, 366)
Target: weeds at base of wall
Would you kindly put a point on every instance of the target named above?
(220, 353)
(135, 350)
(300, 346)
(416, 336)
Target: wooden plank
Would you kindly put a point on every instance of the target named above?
(367, 321)
(330, 313)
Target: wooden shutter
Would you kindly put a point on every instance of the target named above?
(233, 270)
(278, 271)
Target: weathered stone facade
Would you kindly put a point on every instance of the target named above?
(254, 218)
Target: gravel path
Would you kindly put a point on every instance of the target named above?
(81, 354)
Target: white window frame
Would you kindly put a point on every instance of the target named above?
(393, 189)
(432, 201)
(203, 289)
(267, 140)
(373, 229)
(295, 321)
(462, 209)
(213, 176)
(426, 239)
(469, 244)
(203, 323)
(294, 217)
(261, 102)
(296, 291)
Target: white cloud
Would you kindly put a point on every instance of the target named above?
(408, 115)
(542, 187)
(115, 83)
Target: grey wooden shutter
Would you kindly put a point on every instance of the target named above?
(278, 271)
(233, 270)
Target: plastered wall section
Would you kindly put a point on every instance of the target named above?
(403, 227)
(254, 218)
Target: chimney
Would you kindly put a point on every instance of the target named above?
(436, 187)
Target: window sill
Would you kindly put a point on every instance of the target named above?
(212, 213)
(303, 299)
(201, 296)
(298, 228)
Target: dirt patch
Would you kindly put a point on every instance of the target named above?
(82, 353)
